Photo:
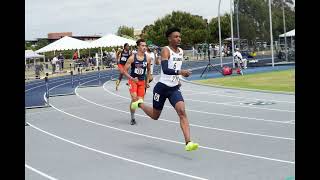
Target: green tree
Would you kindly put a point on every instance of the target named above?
(193, 28)
(28, 46)
(253, 24)
(214, 28)
(124, 30)
(254, 18)
(42, 43)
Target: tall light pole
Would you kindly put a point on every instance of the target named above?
(220, 50)
(232, 42)
(238, 23)
(284, 29)
(208, 41)
(271, 36)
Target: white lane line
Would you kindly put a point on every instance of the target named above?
(63, 84)
(230, 102)
(172, 141)
(116, 156)
(39, 112)
(209, 93)
(73, 108)
(57, 79)
(42, 81)
(54, 79)
(194, 125)
(31, 83)
(211, 113)
(292, 121)
(44, 85)
(191, 93)
(60, 80)
(235, 105)
(167, 140)
(39, 172)
(102, 76)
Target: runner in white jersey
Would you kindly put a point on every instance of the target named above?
(175, 63)
(168, 86)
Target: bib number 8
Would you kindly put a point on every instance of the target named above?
(138, 71)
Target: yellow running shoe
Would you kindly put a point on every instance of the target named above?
(135, 104)
(117, 84)
(191, 146)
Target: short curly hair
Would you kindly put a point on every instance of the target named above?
(171, 30)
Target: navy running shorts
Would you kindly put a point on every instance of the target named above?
(161, 92)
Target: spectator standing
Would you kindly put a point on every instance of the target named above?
(54, 63)
(61, 60)
(75, 55)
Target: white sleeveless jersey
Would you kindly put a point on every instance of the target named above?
(175, 63)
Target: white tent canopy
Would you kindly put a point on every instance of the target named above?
(291, 33)
(111, 40)
(65, 43)
(31, 54)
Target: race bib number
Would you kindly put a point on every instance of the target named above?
(175, 66)
(175, 78)
(156, 97)
(139, 71)
(123, 59)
